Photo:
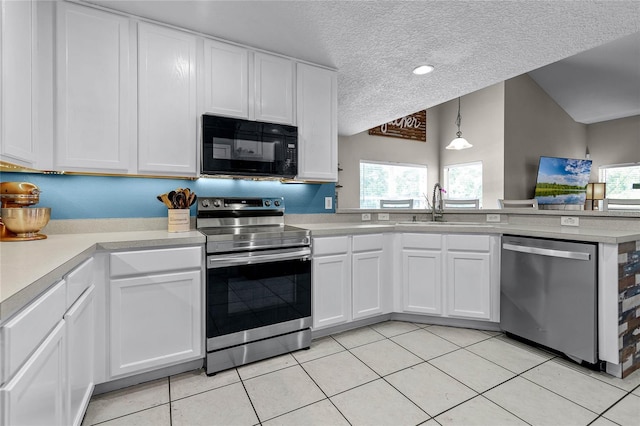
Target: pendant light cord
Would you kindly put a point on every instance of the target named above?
(459, 120)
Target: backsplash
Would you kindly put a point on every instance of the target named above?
(100, 197)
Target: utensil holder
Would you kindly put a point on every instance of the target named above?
(179, 220)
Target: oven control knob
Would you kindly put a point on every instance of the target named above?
(267, 203)
(277, 203)
(205, 203)
(216, 203)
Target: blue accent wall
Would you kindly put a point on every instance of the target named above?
(99, 197)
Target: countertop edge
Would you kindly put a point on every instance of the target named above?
(31, 291)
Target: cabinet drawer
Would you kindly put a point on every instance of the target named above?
(422, 241)
(22, 334)
(469, 242)
(78, 281)
(155, 261)
(330, 245)
(368, 242)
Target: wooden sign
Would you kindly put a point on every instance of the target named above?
(412, 126)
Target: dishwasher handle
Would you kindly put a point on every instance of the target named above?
(576, 255)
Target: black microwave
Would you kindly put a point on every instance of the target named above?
(231, 146)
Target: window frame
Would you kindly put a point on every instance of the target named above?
(602, 178)
(390, 163)
(445, 176)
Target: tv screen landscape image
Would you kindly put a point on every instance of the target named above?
(562, 180)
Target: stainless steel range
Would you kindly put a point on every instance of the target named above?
(258, 286)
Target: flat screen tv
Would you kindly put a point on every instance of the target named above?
(562, 181)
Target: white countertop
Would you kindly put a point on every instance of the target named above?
(596, 235)
(28, 268)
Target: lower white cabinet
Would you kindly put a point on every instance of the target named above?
(451, 275)
(331, 274)
(421, 273)
(36, 394)
(80, 355)
(155, 318)
(351, 278)
(371, 286)
(155, 321)
(473, 285)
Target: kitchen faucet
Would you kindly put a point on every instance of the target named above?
(436, 205)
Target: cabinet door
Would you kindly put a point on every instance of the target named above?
(469, 285)
(80, 355)
(155, 321)
(422, 281)
(36, 394)
(167, 120)
(94, 94)
(17, 144)
(273, 82)
(317, 108)
(331, 290)
(226, 81)
(367, 284)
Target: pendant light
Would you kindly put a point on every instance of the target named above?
(459, 142)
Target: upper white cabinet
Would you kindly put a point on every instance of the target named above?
(243, 84)
(317, 117)
(226, 83)
(273, 83)
(17, 35)
(94, 93)
(167, 119)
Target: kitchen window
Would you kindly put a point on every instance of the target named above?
(392, 181)
(463, 181)
(623, 180)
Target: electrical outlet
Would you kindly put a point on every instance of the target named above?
(366, 216)
(569, 221)
(328, 203)
(493, 218)
(383, 216)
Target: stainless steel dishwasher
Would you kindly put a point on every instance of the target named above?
(548, 294)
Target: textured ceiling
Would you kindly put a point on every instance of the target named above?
(600, 84)
(374, 45)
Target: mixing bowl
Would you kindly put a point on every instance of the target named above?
(25, 221)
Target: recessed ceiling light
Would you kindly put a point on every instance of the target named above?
(423, 69)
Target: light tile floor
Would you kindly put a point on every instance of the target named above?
(392, 373)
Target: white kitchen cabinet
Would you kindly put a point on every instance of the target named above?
(226, 83)
(167, 119)
(36, 395)
(80, 355)
(95, 94)
(371, 286)
(317, 118)
(451, 275)
(17, 71)
(422, 273)
(331, 272)
(155, 317)
(243, 84)
(472, 285)
(273, 82)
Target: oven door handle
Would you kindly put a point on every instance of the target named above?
(222, 261)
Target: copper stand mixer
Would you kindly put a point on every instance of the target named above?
(18, 222)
